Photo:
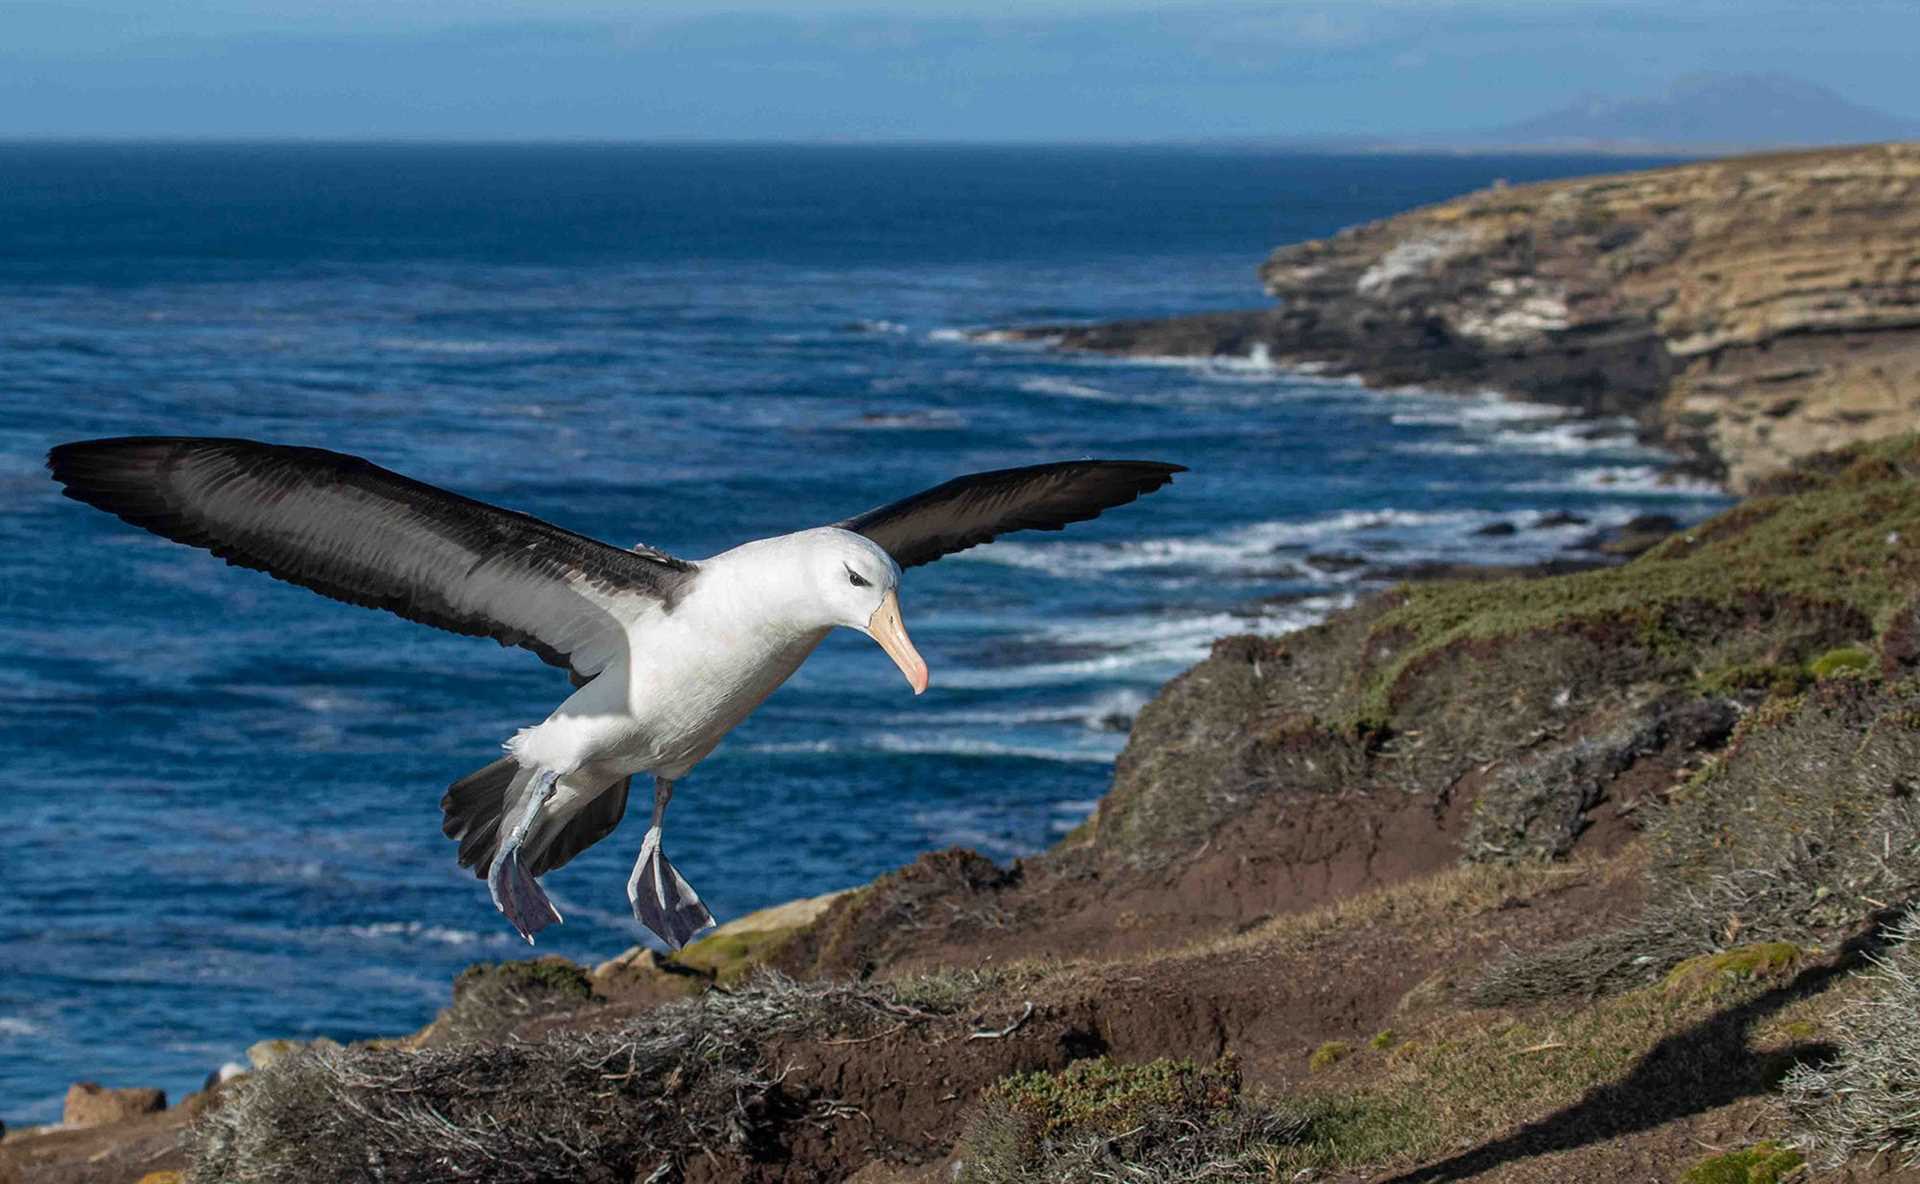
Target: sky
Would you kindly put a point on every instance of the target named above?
(912, 70)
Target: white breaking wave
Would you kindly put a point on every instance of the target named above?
(1144, 646)
(1064, 389)
(13, 1027)
(454, 346)
(1635, 480)
(972, 746)
(1234, 550)
(420, 931)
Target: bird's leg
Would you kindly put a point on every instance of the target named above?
(662, 901)
(515, 893)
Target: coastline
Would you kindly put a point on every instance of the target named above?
(1745, 312)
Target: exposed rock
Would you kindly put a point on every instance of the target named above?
(1748, 311)
(91, 1104)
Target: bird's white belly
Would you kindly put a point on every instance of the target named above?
(669, 703)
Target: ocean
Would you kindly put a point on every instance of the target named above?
(219, 795)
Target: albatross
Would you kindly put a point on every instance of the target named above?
(666, 655)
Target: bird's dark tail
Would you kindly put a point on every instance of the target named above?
(474, 806)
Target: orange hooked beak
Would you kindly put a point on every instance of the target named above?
(885, 627)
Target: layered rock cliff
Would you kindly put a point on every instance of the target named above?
(1748, 311)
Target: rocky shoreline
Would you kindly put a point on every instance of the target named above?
(1746, 312)
(1515, 875)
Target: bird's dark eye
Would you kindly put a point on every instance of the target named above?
(853, 577)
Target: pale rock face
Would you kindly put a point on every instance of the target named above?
(1412, 257)
(89, 1104)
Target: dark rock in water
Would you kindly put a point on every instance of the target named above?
(1559, 518)
(1497, 530)
(92, 1104)
(1631, 538)
(1335, 562)
(1112, 721)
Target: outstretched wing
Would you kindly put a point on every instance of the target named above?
(349, 529)
(971, 510)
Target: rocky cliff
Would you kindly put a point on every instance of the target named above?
(1748, 311)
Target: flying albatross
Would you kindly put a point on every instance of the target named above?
(666, 655)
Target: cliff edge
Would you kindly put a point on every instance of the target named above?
(1747, 311)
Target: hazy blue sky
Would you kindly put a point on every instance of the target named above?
(756, 69)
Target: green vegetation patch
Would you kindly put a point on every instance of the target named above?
(727, 958)
(1711, 974)
(1102, 1096)
(1849, 659)
(1762, 1163)
(492, 998)
(1328, 1055)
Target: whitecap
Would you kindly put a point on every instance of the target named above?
(421, 931)
(1065, 389)
(949, 745)
(15, 1027)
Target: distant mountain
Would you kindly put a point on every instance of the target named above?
(1715, 111)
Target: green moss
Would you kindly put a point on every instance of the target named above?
(1791, 564)
(729, 957)
(1762, 1163)
(1772, 678)
(1845, 660)
(1711, 973)
(1328, 1055)
(1383, 1040)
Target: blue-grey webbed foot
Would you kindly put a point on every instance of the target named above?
(662, 900)
(516, 893)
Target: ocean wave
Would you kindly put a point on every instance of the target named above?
(949, 745)
(14, 1027)
(878, 325)
(458, 346)
(421, 931)
(1630, 480)
(1065, 389)
(1101, 714)
(1142, 646)
(1233, 550)
(1448, 410)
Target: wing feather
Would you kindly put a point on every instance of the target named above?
(971, 510)
(349, 529)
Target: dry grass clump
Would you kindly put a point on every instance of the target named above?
(1162, 1122)
(1866, 1099)
(1805, 826)
(687, 1079)
(490, 999)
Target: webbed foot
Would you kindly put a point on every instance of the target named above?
(662, 900)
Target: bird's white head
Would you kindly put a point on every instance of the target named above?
(857, 584)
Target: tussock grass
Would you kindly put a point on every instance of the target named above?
(1866, 1099)
(689, 1078)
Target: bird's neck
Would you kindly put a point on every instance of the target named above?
(766, 585)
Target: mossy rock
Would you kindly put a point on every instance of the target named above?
(1762, 1163)
(1328, 1055)
(729, 957)
(1710, 973)
(1845, 660)
(490, 999)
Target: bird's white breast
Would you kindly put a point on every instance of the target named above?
(690, 675)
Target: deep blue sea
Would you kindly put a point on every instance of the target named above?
(219, 795)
